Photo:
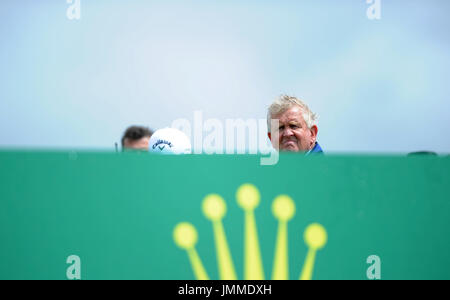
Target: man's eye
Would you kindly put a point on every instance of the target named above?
(294, 126)
(281, 128)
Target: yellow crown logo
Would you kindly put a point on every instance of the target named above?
(248, 198)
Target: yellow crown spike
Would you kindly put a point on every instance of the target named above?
(283, 208)
(248, 199)
(185, 236)
(214, 208)
(316, 238)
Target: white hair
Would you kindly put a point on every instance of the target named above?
(283, 103)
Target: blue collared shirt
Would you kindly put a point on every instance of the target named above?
(317, 149)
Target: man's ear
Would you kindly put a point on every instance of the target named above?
(270, 136)
(314, 131)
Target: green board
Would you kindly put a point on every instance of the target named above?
(117, 213)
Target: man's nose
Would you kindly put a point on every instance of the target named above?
(287, 132)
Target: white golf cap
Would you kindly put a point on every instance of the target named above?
(170, 141)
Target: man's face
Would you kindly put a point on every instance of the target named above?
(294, 134)
(140, 145)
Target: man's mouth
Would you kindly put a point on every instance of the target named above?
(289, 143)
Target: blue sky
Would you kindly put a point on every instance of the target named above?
(379, 86)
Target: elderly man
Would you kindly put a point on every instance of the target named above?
(297, 126)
